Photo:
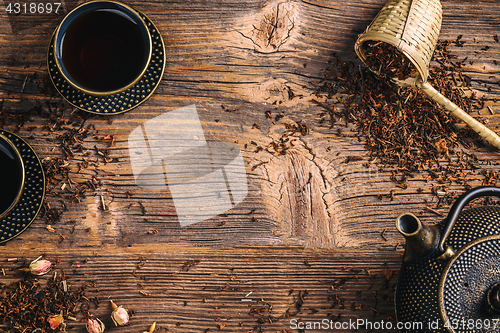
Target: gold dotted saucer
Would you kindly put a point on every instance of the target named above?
(121, 102)
(30, 203)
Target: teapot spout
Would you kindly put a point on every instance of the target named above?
(421, 240)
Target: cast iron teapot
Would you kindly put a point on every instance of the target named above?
(450, 277)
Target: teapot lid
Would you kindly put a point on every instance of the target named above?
(469, 290)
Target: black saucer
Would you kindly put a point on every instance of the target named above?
(30, 203)
(121, 102)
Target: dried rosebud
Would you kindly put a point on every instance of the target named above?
(39, 266)
(95, 326)
(151, 328)
(119, 315)
(55, 321)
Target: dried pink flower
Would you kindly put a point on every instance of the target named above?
(151, 328)
(119, 315)
(39, 266)
(55, 321)
(95, 326)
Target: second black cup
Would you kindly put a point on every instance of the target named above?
(11, 176)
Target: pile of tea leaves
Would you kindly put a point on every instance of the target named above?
(404, 129)
(26, 305)
(387, 60)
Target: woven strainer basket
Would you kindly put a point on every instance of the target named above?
(412, 26)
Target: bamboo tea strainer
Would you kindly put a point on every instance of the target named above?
(412, 27)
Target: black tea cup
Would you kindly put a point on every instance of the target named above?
(102, 47)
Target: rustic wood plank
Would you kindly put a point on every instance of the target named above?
(186, 289)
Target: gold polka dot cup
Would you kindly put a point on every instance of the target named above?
(102, 48)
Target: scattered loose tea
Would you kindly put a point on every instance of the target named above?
(404, 130)
(31, 305)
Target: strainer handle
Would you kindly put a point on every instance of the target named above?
(455, 110)
(455, 210)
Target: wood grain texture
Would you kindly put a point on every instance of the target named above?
(311, 221)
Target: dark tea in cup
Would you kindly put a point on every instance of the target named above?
(11, 176)
(102, 47)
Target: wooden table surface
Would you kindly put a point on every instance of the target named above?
(314, 238)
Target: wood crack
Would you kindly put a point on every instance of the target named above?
(273, 29)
